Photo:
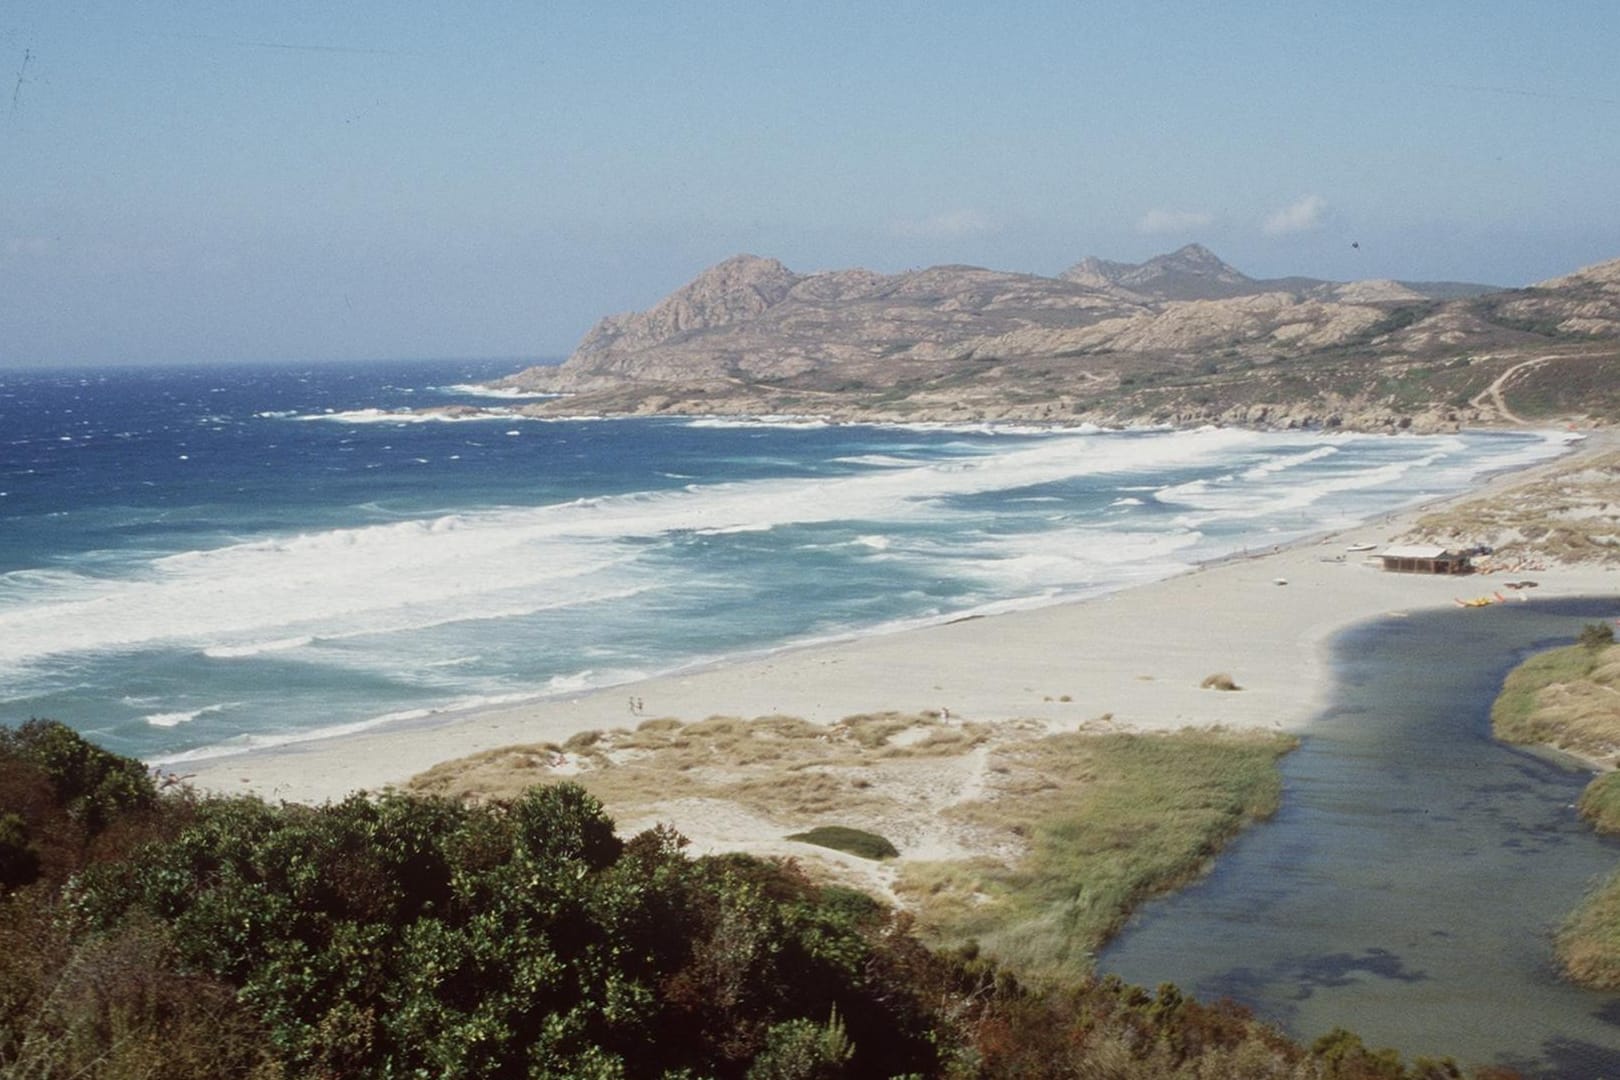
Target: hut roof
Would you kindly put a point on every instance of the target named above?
(1415, 551)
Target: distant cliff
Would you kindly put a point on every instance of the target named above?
(1180, 338)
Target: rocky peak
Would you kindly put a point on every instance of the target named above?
(1194, 258)
(733, 291)
(1192, 272)
(1097, 273)
(740, 287)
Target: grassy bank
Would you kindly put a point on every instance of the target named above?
(1588, 943)
(1569, 698)
(1108, 822)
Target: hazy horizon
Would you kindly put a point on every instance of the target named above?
(181, 184)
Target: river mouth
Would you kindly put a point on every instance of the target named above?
(1409, 887)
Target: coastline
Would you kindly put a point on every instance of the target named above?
(1132, 659)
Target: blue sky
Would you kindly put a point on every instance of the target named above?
(199, 181)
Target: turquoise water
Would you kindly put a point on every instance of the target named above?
(198, 560)
(1410, 885)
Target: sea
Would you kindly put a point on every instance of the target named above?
(201, 560)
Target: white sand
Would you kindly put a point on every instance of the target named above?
(1138, 655)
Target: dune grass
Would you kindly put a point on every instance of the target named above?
(1106, 822)
(782, 767)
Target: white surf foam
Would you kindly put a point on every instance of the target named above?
(407, 416)
(790, 422)
(507, 393)
(257, 648)
(280, 593)
(175, 719)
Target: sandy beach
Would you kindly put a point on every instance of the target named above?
(1132, 660)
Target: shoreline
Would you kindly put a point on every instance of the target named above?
(1130, 659)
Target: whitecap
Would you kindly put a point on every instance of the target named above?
(175, 719)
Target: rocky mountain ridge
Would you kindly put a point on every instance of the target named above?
(1182, 337)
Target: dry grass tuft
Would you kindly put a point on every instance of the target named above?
(1219, 681)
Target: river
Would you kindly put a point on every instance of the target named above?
(1409, 886)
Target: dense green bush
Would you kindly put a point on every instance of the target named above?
(19, 859)
(91, 783)
(400, 935)
(867, 845)
(1596, 635)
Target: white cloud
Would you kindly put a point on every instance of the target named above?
(1301, 215)
(952, 223)
(1157, 222)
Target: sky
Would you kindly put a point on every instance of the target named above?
(199, 182)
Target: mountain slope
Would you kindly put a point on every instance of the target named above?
(1182, 337)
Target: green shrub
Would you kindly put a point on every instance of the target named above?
(406, 936)
(1596, 636)
(19, 860)
(853, 841)
(804, 1050)
(92, 784)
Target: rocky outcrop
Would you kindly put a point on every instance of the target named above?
(1585, 303)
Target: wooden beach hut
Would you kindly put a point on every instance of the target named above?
(1425, 559)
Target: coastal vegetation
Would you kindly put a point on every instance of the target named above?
(1031, 848)
(867, 845)
(1569, 698)
(182, 936)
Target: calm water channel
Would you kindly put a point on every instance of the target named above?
(1409, 886)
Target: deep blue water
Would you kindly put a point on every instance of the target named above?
(195, 560)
